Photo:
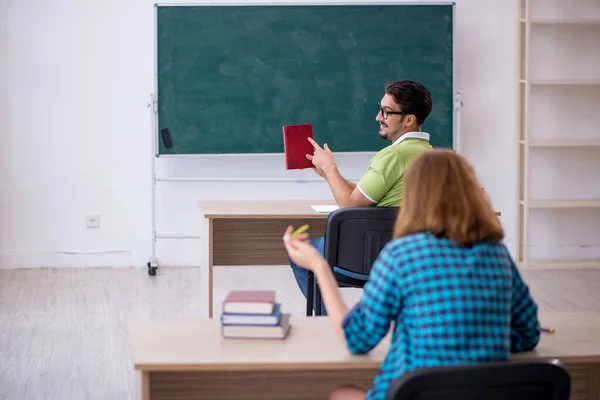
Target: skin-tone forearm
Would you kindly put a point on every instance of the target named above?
(350, 184)
(332, 297)
(339, 186)
(306, 255)
(345, 193)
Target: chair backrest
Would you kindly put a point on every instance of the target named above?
(511, 380)
(355, 236)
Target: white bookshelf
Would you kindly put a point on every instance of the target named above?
(559, 133)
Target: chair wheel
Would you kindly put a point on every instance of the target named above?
(151, 269)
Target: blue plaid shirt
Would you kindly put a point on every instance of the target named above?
(450, 305)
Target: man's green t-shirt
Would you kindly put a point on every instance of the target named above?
(383, 182)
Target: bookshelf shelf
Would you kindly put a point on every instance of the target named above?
(557, 82)
(562, 264)
(557, 21)
(558, 136)
(564, 143)
(566, 82)
(562, 203)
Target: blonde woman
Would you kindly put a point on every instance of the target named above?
(446, 280)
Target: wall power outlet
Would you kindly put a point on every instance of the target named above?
(93, 221)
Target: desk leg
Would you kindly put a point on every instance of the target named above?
(145, 385)
(210, 266)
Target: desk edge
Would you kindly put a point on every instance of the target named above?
(266, 216)
(274, 216)
(291, 366)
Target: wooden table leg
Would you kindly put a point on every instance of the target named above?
(210, 267)
(145, 385)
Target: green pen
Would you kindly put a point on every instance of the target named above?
(300, 230)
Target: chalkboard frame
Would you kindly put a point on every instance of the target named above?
(154, 105)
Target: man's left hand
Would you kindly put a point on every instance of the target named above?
(322, 159)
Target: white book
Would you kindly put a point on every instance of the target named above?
(253, 319)
(257, 331)
(325, 209)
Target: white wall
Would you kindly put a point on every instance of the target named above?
(75, 78)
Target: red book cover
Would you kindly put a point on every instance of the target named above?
(250, 296)
(297, 146)
(249, 302)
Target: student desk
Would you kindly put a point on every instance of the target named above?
(249, 232)
(188, 359)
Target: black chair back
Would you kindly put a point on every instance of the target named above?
(354, 237)
(512, 380)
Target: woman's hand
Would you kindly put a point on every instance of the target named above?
(301, 252)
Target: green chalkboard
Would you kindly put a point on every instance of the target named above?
(229, 77)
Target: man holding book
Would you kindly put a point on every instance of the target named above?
(402, 111)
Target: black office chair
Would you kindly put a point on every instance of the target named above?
(353, 239)
(511, 380)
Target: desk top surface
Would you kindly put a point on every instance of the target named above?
(196, 344)
(263, 209)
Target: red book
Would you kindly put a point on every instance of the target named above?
(249, 302)
(297, 146)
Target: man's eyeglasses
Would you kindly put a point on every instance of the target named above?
(385, 113)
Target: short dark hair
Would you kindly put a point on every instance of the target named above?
(412, 97)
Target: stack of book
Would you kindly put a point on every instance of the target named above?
(253, 314)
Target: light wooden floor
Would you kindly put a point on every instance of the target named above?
(62, 330)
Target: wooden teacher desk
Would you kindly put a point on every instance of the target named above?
(188, 359)
(249, 232)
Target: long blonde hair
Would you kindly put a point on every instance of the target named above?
(442, 195)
